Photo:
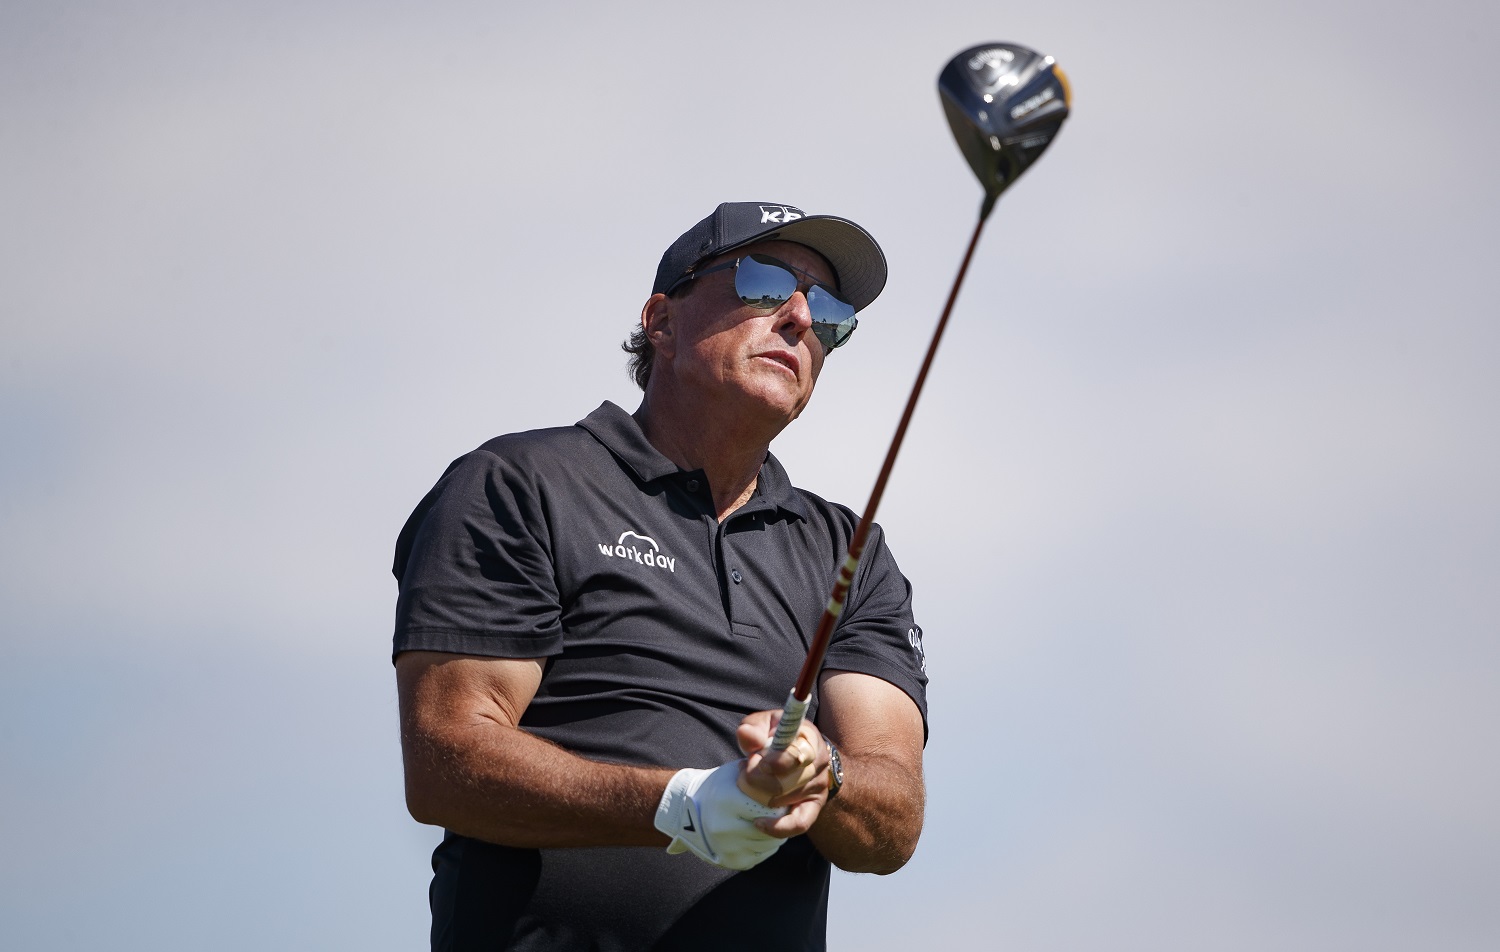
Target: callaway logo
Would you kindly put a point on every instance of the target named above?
(994, 58)
(647, 552)
(992, 70)
(779, 214)
(914, 635)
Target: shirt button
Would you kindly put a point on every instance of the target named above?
(735, 574)
(692, 485)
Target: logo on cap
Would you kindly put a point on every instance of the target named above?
(778, 214)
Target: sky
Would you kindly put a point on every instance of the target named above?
(1199, 505)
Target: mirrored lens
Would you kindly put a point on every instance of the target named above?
(833, 318)
(766, 283)
(763, 285)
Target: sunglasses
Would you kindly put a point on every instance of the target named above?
(764, 283)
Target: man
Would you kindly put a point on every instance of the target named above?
(597, 625)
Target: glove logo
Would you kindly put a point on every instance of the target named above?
(778, 214)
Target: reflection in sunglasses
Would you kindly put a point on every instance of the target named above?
(765, 283)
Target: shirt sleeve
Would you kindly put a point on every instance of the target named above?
(877, 633)
(474, 566)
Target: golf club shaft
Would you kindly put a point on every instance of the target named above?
(801, 695)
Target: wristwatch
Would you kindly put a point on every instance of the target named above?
(835, 769)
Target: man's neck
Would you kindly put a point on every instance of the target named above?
(729, 451)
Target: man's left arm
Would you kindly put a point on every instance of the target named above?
(871, 705)
(873, 824)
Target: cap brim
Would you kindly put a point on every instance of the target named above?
(852, 251)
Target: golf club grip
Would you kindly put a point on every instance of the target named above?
(818, 649)
(792, 714)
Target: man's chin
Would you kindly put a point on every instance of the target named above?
(777, 405)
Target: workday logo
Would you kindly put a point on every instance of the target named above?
(778, 214)
(642, 550)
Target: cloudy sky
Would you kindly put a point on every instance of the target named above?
(1200, 505)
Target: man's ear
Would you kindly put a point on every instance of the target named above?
(657, 321)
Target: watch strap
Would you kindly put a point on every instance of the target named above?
(835, 770)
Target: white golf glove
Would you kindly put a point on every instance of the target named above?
(706, 812)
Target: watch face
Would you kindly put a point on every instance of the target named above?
(835, 770)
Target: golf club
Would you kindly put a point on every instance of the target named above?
(1005, 104)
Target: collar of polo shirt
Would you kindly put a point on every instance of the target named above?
(622, 436)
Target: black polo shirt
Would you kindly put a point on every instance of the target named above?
(662, 628)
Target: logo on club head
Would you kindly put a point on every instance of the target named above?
(992, 69)
(996, 59)
(779, 214)
(1032, 104)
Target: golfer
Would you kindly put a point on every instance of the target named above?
(598, 623)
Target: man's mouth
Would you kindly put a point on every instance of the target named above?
(784, 357)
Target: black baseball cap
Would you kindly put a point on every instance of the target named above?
(858, 263)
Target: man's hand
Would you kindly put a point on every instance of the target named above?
(795, 778)
(706, 812)
(738, 814)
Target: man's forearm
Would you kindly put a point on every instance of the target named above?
(503, 785)
(873, 824)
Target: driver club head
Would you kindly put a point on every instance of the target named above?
(1005, 103)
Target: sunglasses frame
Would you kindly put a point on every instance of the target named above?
(826, 332)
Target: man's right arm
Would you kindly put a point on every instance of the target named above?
(471, 769)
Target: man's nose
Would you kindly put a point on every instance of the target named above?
(796, 313)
